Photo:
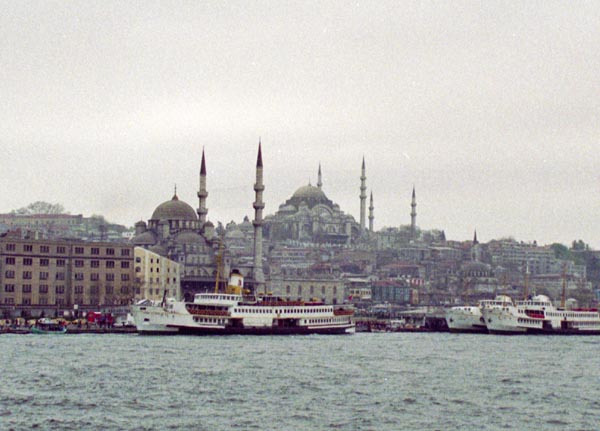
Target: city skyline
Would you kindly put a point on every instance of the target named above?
(488, 110)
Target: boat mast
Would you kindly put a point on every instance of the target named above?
(563, 299)
(526, 282)
(219, 262)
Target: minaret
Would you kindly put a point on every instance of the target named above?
(319, 180)
(413, 213)
(363, 196)
(371, 215)
(259, 277)
(475, 242)
(202, 193)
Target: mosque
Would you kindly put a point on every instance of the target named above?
(184, 235)
(309, 216)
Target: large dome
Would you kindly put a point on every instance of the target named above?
(309, 192)
(174, 210)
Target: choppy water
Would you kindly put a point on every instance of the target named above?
(359, 382)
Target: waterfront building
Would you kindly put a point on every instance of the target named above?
(156, 276)
(51, 275)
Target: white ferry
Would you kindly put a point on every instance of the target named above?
(234, 312)
(539, 316)
(470, 318)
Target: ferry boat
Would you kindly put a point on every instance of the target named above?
(470, 318)
(538, 315)
(47, 326)
(236, 312)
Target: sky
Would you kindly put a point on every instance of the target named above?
(489, 109)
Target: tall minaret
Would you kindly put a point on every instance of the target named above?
(363, 197)
(371, 215)
(319, 180)
(259, 277)
(202, 193)
(413, 213)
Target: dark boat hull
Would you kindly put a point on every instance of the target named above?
(296, 330)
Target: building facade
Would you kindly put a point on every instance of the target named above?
(156, 276)
(41, 275)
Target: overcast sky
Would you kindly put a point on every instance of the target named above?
(491, 109)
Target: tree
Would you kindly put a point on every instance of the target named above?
(561, 251)
(40, 207)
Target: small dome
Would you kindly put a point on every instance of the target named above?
(209, 224)
(174, 210)
(146, 238)
(189, 237)
(309, 192)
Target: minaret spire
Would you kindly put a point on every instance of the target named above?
(363, 196)
(371, 215)
(202, 193)
(413, 213)
(475, 242)
(319, 180)
(259, 277)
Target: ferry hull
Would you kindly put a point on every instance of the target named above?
(298, 330)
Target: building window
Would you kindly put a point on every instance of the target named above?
(44, 262)
(124, 265)
(43, 301)
(79, 289)
(95, 250)
(94, 290)
(27, 247)
(9, 287)
(44, 249)
(78, 263)
(125, 277)
(27, 288)
(110, 251)
(110, 277)
(124, 252)
(60, 290)
(10, 261)
(43, 275)
(95, 264)
(9, 300)
(43, 288)
(26, 301)
(110, 263)
(61, 250)
(11, 247)
(78, 250)
(60, 262)
(109, 290)
(27, 275)
(138, 259)
(94, 276)
(27, 261)
(79, 276)
(60, 275)
(60, 301)
(124, 289)
(138, 269)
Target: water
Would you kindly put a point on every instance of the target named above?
(359, 382)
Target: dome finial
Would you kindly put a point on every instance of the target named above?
(175, 198)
